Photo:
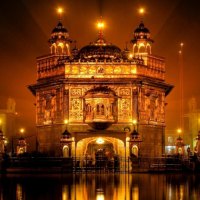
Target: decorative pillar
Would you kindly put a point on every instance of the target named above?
(66, 144)
(21, 146)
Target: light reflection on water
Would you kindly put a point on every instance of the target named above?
(100, 187)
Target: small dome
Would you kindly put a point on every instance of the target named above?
(66, 134)
(141, 29)
(141, 32)
(59, 29)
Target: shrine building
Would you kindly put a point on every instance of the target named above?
(99, 98)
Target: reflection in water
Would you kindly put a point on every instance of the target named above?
(100, 187)
(135, 193)
(19, 194)
(65, 194)
(100, 195)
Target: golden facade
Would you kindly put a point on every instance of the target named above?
(96, 92)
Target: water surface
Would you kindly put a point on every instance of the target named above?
(100, 187)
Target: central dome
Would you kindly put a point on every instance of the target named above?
(100, 49)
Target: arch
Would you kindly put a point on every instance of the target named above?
(134, 150)
(65, 151)
(148, 49)
(135, 48)
(118, 145)
(141, 49)
(180, 150)
(59, 49)
(53, 48)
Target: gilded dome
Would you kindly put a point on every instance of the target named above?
(100, 49)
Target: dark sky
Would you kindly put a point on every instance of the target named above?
(25, 27)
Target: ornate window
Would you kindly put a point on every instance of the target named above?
(100, 109)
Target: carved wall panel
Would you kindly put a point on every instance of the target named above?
(125, 92)
(152, 105)
(50, 106)
(124, 109)
(75, 105)
(76, 92)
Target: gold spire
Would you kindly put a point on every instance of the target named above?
(60, 12)
(141, 12)
(100, 26)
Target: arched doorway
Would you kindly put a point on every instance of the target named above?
(100, 152)
(134, 150)
(65, 151)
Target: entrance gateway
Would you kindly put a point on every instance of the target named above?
(100, 153)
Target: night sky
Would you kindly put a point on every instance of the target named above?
(25, 27)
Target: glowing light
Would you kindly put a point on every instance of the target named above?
(141, 11)
(179, 130)
(130, 55)
(100, 25)
(0, 121)
(134, 121)
(60, 11)
(181, 44)
(133, 70)
(6, 142)
(60, 44)
(22, 130)
(65, 121)
(99, 141)
(100, 197)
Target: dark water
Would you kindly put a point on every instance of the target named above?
(100, 187)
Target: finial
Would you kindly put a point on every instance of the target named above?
(60, 11)
(100, 26)
(141, 12)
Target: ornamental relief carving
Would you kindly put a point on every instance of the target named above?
(152, 105)
(124, 109)
(76, 92)
(76, 111)
(49, 105)
(114, 88)
(100, 70)
(76, 116)
(125, 92)
(76, 104)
